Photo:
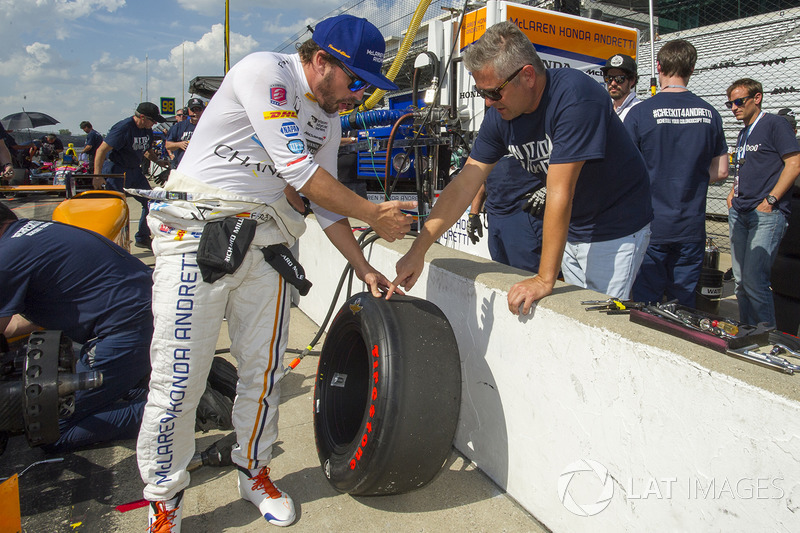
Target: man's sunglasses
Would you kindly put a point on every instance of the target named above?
(620, 79)
(494, 94)
(356, 83)
(739, 102)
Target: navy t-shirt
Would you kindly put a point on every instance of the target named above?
(678, 134)
(180, 131)
(575, 121)
(507, 185)
(129, 143)
(769, 141)
(100, 291)
(95, 139)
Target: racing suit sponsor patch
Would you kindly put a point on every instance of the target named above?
(296, 146)
(271, 115)
(290, 129)
(277, 95)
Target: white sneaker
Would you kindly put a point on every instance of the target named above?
(165, 516)
(256, 486)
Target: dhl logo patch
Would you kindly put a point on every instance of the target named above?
(272, 115)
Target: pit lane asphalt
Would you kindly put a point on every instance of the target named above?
(80, 492)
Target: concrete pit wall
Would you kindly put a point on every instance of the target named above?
(578, 413)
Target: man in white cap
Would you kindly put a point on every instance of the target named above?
(271, 128)
(620, 75)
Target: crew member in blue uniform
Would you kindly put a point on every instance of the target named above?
(680, 136)
(180, 133)
(67, 278)
(513, 215)
(766, 163)
(128, 141)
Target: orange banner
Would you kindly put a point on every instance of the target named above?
(572, 34)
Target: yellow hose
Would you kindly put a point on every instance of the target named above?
(402, 52)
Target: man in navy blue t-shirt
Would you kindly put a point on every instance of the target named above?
(766, 163)
(66, 278)
(514, 224)
(180, 133)
(561, 126)
(93, 142)
(128, 141)
(680, 136)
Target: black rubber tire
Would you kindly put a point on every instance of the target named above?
(387, 395)
(787, 313)
(784, 276)
(223, 377)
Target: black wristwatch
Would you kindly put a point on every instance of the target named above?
(771, 200)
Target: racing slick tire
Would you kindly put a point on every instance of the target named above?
(387, 395)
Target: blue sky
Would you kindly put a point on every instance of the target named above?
(85, 59)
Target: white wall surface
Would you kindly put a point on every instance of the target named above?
(692, 440)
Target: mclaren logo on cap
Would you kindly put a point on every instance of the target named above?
(337, 50)
(616, 61)
(376, 56)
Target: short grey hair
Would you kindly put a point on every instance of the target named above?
(505, 48)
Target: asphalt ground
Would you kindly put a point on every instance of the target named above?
(80, 491)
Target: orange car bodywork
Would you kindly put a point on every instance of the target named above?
(102, 211)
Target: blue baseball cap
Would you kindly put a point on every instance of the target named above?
(358, 44)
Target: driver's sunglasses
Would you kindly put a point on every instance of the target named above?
(356, 83)
(739, 102)
(494, 94)
(620, 79)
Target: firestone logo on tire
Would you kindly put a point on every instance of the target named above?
(567, 478)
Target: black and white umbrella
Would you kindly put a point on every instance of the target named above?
(27, 119)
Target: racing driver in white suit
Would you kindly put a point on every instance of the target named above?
(273, 123)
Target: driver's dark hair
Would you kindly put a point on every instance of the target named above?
(6, 214)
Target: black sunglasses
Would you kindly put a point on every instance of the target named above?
(494, 94)
(179, 114)
(620, 79)
(739, 102)
(356, 84)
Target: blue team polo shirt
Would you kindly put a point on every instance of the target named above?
(507, 185)
(95, 293)
(95, 140)
(678, 134)
(180, 131)
(769, 141)
(129, 143)
(575, 121)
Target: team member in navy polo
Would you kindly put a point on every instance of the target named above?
(181, 132)
(766, 163)
(514, 233)
(128, 141)
(561, 126)
(93, 142)
(680, 136)
(102, 303)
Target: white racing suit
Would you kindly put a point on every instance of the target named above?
(228, 171)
